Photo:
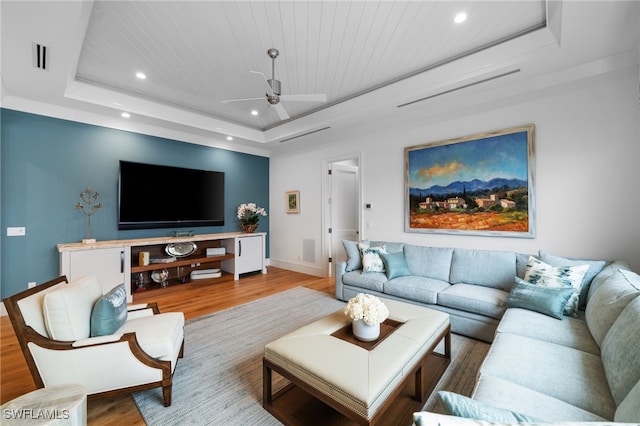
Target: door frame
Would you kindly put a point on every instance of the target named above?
(326, 266)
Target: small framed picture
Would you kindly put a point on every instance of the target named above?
(293, 202)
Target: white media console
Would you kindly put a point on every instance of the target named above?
(118, 261)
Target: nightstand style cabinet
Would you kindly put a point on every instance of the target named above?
(250, 254)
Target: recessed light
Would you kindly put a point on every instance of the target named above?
(460, 18)
(141, 75)
(229, 138)
(125, 115)
(254, 112)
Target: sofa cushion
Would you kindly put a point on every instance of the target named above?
(395, 265)
(159, 335)
(109, 312)
(420, 289)
(369, 281)
(554, 370)
(629, 409)
(390, 246)
(67, 310)
(371, 261)
(570, 332)
(545, 300)
(354, 257)
(543, 274)
(432, 262)
(621, 352)
(462, 406)
(604, 275)
(472, 298)
(483, 267)
(595, 266)
(506, 394)
(608, 301)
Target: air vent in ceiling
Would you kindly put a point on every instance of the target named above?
(40, 56)
(455, 89)
(304, 134)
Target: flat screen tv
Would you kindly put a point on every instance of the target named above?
(155, 196)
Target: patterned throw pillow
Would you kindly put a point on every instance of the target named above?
(371, 260)
(543, 274)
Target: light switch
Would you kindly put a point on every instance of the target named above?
(16, 231)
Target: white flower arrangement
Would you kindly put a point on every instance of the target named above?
(249, 213)
(368, 308)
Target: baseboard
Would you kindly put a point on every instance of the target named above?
(298, 267)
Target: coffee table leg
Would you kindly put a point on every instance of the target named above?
(266, 384)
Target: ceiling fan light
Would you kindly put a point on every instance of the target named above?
(460, 18)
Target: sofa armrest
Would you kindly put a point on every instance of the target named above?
(341, 268)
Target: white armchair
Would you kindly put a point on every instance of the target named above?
(53, 323)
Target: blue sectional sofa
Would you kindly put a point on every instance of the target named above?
(581, 368)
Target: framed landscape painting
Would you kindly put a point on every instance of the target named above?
(293, 202)
(474, 185)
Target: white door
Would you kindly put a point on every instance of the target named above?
(343, 210)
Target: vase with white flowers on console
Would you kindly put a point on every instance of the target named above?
(367, 312)
(249, 216)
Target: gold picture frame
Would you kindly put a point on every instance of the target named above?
(292, 202)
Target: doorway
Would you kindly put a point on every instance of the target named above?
(342, 200)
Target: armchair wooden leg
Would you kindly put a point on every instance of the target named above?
(181, 354)
(166, 393)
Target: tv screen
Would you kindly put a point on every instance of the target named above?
(154, 196)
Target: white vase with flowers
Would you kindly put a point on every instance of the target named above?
(367, 312)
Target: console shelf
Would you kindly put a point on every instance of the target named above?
(117, 261)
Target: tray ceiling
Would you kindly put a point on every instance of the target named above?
(196, 54)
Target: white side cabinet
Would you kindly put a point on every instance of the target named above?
(249, 254)
(111, 265)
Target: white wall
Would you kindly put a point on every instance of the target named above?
(587, 154)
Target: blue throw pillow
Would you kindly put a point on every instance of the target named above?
(461, 406)
(395, 265)
(354, 257)
(545, 300)
(109, 312)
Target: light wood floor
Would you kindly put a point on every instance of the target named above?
(194, 299)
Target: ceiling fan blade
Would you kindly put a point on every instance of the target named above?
(282, 113)
(242, 100)
(266, 83)
(318, 97)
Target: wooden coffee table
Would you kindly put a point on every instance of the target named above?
(332, 378)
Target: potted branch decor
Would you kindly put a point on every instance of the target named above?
(89, 205)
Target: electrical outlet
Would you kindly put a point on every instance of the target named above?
(31, 284)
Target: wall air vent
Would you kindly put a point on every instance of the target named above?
(40, 56)
(304, 134)
(464, 86)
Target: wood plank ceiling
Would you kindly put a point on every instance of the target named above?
(197, 53)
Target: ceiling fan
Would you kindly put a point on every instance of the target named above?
(274, 95)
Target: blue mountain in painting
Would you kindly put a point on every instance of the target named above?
(458, 187)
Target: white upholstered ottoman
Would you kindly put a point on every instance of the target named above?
(359, 380)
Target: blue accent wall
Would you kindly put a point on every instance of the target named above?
(46, 163)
